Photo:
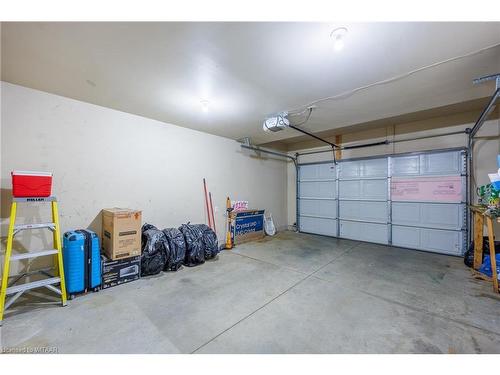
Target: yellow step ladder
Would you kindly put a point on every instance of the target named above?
(16, 289)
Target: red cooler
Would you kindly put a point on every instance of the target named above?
(31, 184)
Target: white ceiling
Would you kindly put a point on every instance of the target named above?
(249, 70)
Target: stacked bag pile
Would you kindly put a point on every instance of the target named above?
(154, 252)
(168, 249)
(176, 249)
(201, 243)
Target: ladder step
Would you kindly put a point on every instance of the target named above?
(35, 199)
(34, 226)
(33, 254)
(35, 284)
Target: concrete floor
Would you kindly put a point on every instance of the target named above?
(294, 293)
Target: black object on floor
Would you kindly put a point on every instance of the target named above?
(154, 250)
(177, 249)
(201, 243)
(210, 242)
(469, 254)
(195, 248)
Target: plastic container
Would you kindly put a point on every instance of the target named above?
(495, 180)
(31, 184)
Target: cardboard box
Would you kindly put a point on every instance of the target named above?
(247, 225)
(121, 232)
(116, 272)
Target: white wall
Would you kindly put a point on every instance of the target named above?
(486, 148)
(105, 158)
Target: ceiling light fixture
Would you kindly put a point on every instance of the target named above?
(204, 105)
(338, 35)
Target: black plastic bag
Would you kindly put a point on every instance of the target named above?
(195, 248)
(469, 254)
(210, 243)
(147, 226)
(469, 257)
(154, 250)
(177, 247)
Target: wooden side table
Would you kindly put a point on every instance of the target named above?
(480, 215)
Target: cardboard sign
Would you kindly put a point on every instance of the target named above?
(427, 189)
(240, 205)
(247, 225)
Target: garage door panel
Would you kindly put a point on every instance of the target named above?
(445, 241)
(327, 227)
(318, 207)
(405, 236)
(374, 168)
(363, 189)
(308, 172)
(406, 166)
(349, 189)
(436, 240)
(374, 189)
(445, 163)
(317, 172)
(428, 189)
(349, 169)
(447, 216)
(435, 215)
(317, 189)
(363, 169)
(368, 211)
(442, 163)
(370, 232)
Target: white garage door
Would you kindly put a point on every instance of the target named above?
(317, 199)
(415, 201)
(428, 193)
(363, 200)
